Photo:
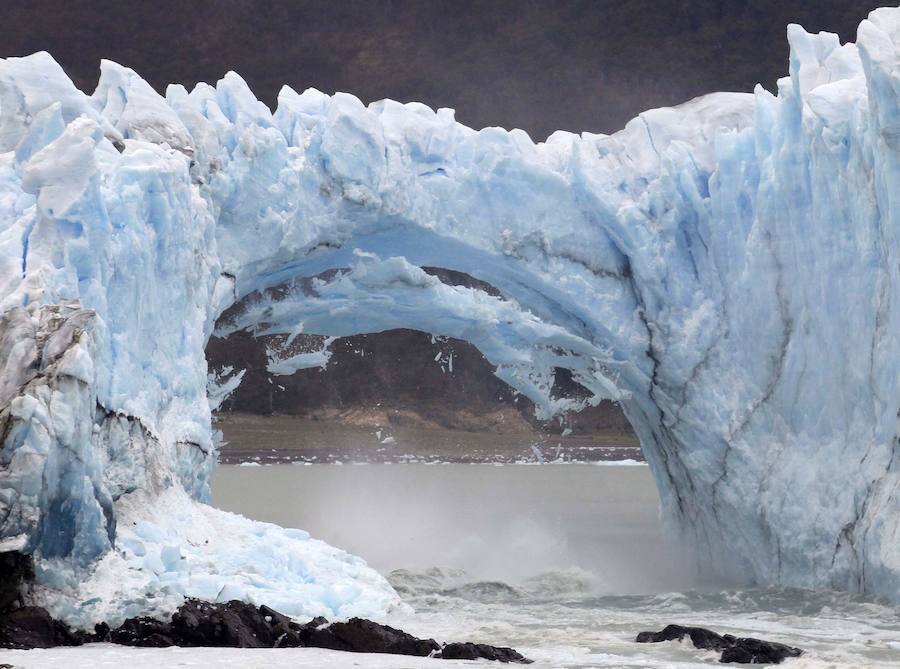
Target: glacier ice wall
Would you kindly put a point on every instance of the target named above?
(728, 270)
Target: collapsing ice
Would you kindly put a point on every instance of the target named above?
(727, 270)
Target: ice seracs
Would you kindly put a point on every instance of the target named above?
(726, 269)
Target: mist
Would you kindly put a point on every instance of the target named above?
(507, 524)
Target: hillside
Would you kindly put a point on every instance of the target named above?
(578, 65)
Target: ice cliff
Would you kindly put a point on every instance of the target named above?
(729, 270)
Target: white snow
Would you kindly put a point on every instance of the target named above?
(727, 270)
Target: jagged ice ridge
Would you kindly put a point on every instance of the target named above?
(726, 269)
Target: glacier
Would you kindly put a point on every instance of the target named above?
(728, 270)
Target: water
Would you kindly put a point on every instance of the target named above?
(501, 523)
(566, 563)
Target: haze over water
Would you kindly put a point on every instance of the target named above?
(566, 563)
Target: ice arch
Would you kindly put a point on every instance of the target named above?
(727, 269)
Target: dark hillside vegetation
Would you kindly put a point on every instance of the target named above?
(539, 65)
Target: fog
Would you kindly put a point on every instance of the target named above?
(505, 523)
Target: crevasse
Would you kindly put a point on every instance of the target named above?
(726, 269)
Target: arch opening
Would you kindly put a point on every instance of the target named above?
(376, 295)
(399, 381)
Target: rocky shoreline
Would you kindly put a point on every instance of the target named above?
(293, 439)
(237, 624)
(287, 456)
(232, 624)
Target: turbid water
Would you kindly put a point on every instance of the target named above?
(564, 562)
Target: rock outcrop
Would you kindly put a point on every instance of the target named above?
(743, 650)
(416, 379)
(15, 568)
(240, 625)
(236, 624)
(32, 627)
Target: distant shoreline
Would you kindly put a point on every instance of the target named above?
(603, 454)
(253, 439)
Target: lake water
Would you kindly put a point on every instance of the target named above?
(566, 563)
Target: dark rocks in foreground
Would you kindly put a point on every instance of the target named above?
(32, 627)
(239, 625)
(15, 568)
(475, 651)
(734, 649)
(195, 623)
(26, 626)
(243, 625)
(364, 636)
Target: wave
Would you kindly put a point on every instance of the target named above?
(457, 583)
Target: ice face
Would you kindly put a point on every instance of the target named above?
(726, 269)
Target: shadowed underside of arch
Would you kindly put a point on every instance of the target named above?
(727, 270)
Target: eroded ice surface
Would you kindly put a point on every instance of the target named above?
(727, 270)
